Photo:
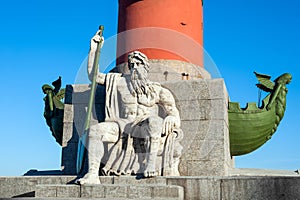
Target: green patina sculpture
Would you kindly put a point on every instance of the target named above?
(251, 127)
(54, 108)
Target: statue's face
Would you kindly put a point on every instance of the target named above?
(285, 78)
(134, 63)
(47, 89)
(138, 75)
(137, 68)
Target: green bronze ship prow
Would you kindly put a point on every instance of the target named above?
(251, 127)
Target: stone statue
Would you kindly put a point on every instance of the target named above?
(54, 108)
(132, 124)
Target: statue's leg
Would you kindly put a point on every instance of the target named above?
(139, 145)
(153, 128)
(99, 133)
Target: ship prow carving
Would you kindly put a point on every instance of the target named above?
(253, 126)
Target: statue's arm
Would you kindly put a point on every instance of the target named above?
(93, 48)
(50, 99)
(172, 120)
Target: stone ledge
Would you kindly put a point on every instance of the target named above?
(256, 186)
(130, 191)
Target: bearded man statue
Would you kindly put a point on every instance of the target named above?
(131, 120)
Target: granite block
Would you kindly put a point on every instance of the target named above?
(204, 129)
(80, 94)
(69, 158)
(203, 89)
(211, 109)
(92, 191)
(206, 168)
(169, 191)
(198, 188)
(68, 191)
(45, 191)
(139, 192)
(116, 191)
(260, 188)
(17, 186)
(131, 180)
(70, 134)
(68, 113)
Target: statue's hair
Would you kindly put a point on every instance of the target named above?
(140, 56)
(140, 84)
(46, 87)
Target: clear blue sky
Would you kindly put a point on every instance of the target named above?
(41, 40)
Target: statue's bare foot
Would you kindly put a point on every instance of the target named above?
(149, 174)
(150, 166)
(89, 178)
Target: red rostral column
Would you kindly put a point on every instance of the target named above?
(161, 29)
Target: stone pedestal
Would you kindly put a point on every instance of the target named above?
(203, 110)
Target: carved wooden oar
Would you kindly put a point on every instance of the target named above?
(83, 138)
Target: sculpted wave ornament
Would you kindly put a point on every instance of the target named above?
(141, 130)
(251, 127)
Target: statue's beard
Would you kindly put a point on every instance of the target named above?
(139, 82)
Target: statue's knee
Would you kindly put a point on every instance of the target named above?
(105, 132)
(94, 132)
(155, 125)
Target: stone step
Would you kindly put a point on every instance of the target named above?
(111, 191)
(80, 198)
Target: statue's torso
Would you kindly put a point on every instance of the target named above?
(135, 107)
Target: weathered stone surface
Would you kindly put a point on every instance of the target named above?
(195, 109)
(79, 94)
(17, 186)
(92, 191)
(259, 187)
(113, 191)
(197, 89)
(59, 191)
(215, 109)
(116, 191)
(204, 168)
(68, 113)
(168, 192)
(26, 186)
(204, 129)
(45, 191)
(139, 192)
(206, 148)
(53, 180)
(198, 187)
(70, 134)
(261, 172)
(131, 180)
(69, 157)
(186, 90)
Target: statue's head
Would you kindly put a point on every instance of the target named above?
(139, 67)
(138, 61)
(284, 79)
(47, 88)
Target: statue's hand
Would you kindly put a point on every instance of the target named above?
(170, 122)
(96, 39)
